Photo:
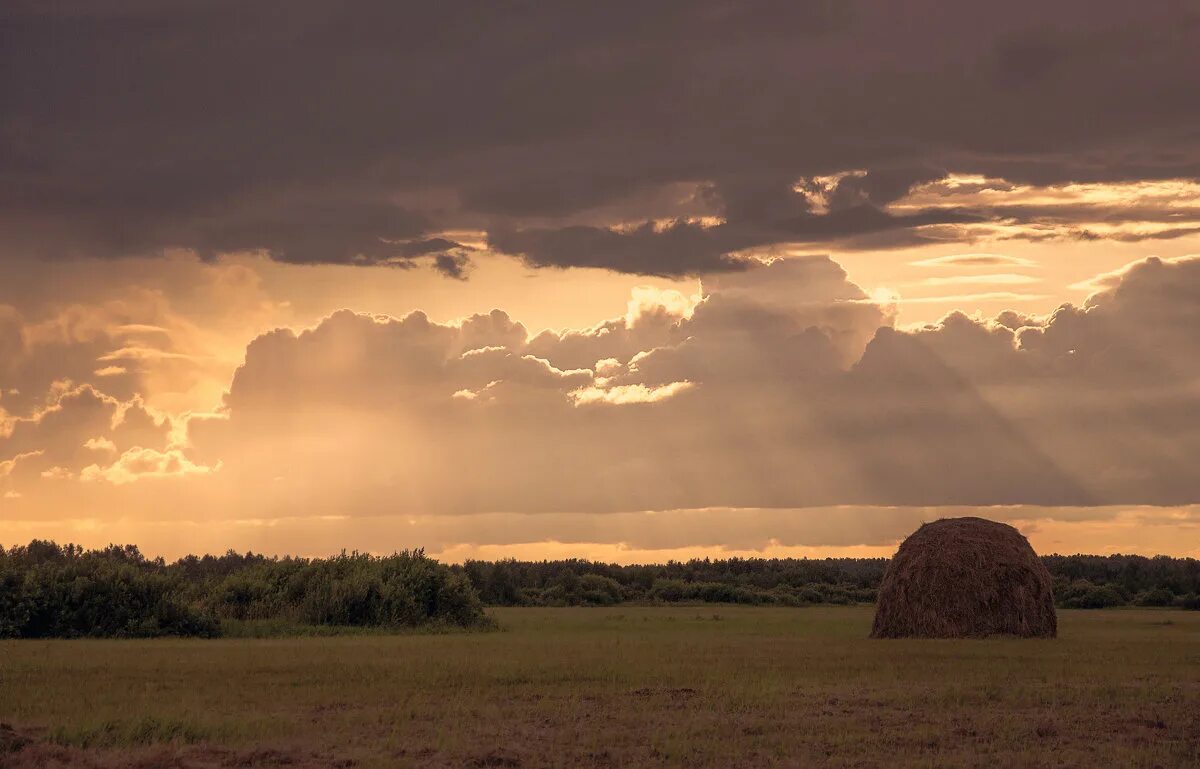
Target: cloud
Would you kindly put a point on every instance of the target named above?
(76, 425)
(796, 396)
(138, 463)
(753, 213)
(797, 393)
(682, 248)
(111, 371)
(1004, 278)
(357, 135)
(975, 260)
(100, 444)
(626, 394)
(1127, 211)
(985, 296)
(777, 388)
(175, 337)
(452, 265)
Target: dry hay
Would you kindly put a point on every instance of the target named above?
(965, 578)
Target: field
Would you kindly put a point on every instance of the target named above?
(625, 687)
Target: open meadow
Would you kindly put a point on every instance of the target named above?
(717, 686)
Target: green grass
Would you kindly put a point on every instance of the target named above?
(280, 628)
(714, 686)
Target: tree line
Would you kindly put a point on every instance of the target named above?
(48, 590)
(1080, 581)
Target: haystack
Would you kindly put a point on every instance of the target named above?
(965, 578)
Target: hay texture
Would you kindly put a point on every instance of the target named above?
(965, 578)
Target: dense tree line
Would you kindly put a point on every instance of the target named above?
(47, 590)
(1081, 581)
(52, 591)
(735, 580)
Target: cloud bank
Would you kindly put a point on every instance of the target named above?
(781, 387)
(667, 142)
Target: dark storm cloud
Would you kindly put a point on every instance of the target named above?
(328, 132)
(679, 248)
(687, 248)
(451, 258)
(429, 246)
(452, 265)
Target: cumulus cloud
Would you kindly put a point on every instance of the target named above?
(177, 345)
(78, 432)
(356, 134)
(139, 463)
(781, 387)
(635, 393)
(777, 388)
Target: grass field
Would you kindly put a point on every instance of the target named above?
(626, 687)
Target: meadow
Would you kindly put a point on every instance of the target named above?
(624, 686)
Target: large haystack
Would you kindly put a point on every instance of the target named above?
(965, 578)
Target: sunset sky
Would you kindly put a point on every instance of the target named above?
(625, 282)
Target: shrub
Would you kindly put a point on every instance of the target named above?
(1082, 594)
(1157, 597)
(809, 594)
(835, 594)
(599, 590)
(864, 594)
(96, 594)
(457, 603)
(668, 590)
(402, 590)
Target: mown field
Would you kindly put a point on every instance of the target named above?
(709, 686)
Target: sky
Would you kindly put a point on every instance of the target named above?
(631, 283)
